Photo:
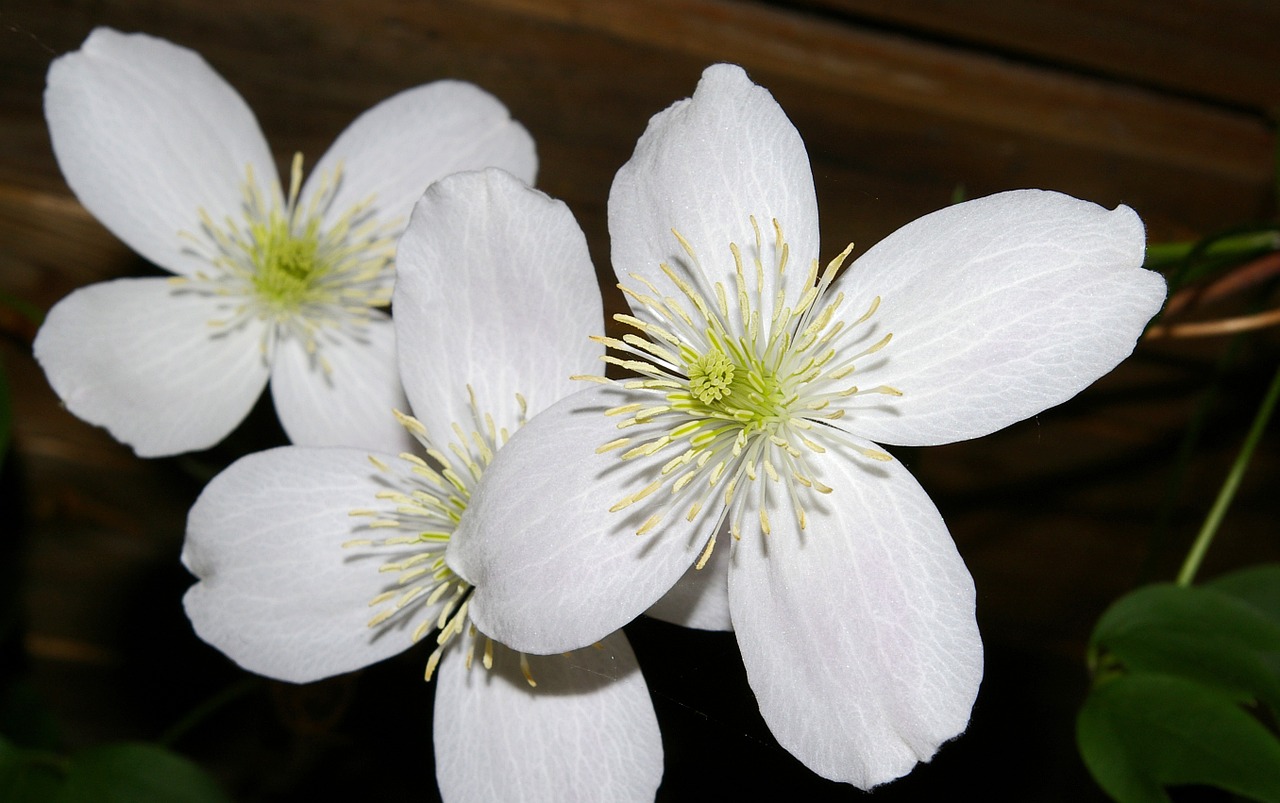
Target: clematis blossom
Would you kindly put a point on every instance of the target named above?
(766, 386)
(287, 284)
(314, 561)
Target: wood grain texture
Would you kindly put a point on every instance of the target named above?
(1219, 51)
(896, 70)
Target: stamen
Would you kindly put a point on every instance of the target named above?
(280, 263)
(611, 445)
(706, 552)
(423, 503)
(740, 390)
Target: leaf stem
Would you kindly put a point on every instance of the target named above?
(1228, 491)
(1247, 242)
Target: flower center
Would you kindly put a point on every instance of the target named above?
(424, 501)
(282, 263)
(749, 391)
(746, 392)
(710, 377)
(288, 265)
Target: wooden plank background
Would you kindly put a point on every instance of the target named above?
(1166, 107)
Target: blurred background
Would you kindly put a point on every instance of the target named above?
(904, 107)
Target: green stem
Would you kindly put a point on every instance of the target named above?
(1190, 441)
(1232, 483)
(1246, 243)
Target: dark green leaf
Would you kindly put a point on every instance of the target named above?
(126, 773)
(1259, 586)
(1141, 732)
(29, 776)
(1201, 634)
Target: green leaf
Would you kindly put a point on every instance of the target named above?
(1201, 634)
(125, 773)
(1141, 732)
(1259, 586)
(117, 773)
(29, 776)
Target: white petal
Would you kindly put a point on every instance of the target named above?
(395, 150)
(553, 568)
(495, 290)
(139, 357)
(278, 593)
(858, 633)
(352, 403)
(705, 167)
(586, 733)
(999, 308)
(147, 134)
(700, 598)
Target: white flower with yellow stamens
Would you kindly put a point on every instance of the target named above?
(766, 385)
(315, 561)
(289, 285)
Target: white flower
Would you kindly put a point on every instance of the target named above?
(766, 384)
(281, 284)
(315, 561)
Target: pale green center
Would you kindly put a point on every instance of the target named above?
(290, 271)
(710, 377)
(732, 386)
(741, 386)
(289, 262)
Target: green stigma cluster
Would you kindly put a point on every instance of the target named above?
(288, 264)
(285, 261)
(740, 395)
(710, 377)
